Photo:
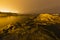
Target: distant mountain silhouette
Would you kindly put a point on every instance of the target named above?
(8, 13)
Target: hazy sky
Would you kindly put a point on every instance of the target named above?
(27, 6)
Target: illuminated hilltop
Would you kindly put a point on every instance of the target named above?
(48, 18)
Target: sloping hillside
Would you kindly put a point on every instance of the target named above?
(41, 27)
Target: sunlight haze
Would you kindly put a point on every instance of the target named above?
(28, 6)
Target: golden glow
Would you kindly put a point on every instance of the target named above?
(8, 10)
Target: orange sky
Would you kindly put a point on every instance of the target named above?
(27, 6)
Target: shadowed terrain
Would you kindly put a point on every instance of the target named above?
(42, 26)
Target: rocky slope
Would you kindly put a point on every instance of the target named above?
(42, 27)
(48, 18)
